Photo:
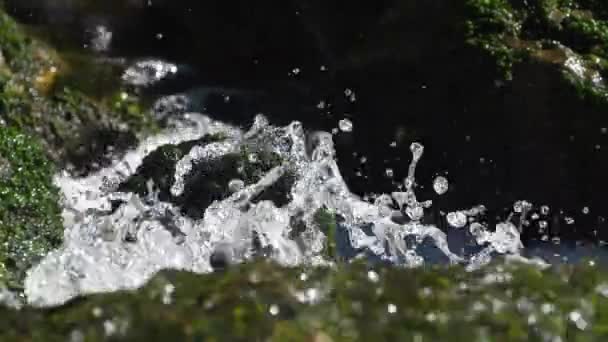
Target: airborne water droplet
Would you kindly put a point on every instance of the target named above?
(345, 125)
(457, 219)
(274, 309)
(440, 185)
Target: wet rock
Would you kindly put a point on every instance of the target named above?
(36, 96)
(262, 301)
(209, 179)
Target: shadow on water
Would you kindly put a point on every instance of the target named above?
(412, 78)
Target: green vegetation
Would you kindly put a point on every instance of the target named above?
(326, 222)
(45, 122)
(265, 302)
(557, 32)
(30, 222)
(209, 179)
(37, 96)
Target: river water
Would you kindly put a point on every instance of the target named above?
(504, 174)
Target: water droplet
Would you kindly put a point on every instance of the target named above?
(348, 92)
(602, 289)
(545, 210)
(373, 276)
(457, 219)
(417, 150)
(97, 312)
(236, 185)
(274, 310)
(391, 308)
(586, 210)
(415, 212)
(252, 157)
(578, 320)
(345, 125)
(441, 185)
(389, 173)
(296, 71)
(569, 220)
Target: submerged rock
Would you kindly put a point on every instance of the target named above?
(207, 177)
(262, 301)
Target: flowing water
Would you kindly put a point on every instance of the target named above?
(110, 247)
(118, 240)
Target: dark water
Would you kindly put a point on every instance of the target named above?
(496, 142)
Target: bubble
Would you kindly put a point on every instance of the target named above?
(441, 185)
(457, 219)
(586, 210)
(345, 125)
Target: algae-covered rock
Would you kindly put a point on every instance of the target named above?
(209, 179)
(30, 224)
(572, 35)
(264, 302)
(35, 97)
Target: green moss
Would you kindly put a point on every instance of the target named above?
(37, 97)
(159, 166)
(208, 180)
(265, 302)
(30, 222)
(514, 32)
(326, 221)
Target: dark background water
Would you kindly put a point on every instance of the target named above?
(497, 142)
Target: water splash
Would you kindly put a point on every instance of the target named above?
(117, 240)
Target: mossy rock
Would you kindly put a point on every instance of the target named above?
(261, 301)
(209, 179)
(76, 130)
(571, 34)
(30, 222)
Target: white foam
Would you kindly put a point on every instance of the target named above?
(97, 256)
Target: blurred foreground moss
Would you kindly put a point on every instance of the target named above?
(262, 301)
